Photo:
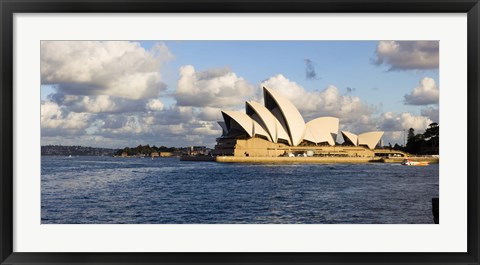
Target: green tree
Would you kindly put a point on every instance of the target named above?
(398, 147)
(425, 143)
(411, 134)
(432, 138)
(414, 142)
(433, 131)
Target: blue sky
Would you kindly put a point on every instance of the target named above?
(119, 94)
(340, 63)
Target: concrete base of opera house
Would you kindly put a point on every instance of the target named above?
(317, 160)
(286, 160)
(258, 150)
(258, 147)
(305, 160)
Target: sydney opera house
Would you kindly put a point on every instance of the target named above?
(277, 129)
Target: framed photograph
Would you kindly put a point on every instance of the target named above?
(200, 132)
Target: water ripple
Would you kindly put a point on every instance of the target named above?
(161, 191)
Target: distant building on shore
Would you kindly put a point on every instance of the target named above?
(198, 150)
(277, 128)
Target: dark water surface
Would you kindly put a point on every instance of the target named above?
(167, 191)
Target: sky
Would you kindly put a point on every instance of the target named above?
(170, 93)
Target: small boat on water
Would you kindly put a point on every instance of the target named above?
(409, 162)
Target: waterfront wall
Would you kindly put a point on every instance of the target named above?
(317, 160)
(285, 160)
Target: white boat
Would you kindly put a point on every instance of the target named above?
(409, 162)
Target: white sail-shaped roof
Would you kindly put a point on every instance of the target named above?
(323, 129)
(258, 130)
(348, 136)
(240, 118)
(241, 121)
(286, 113)
(369, 139)
(309, 136)
(264, 117)
(279, 121)
(281, 133)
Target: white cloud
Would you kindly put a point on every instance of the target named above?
(131, 126)
(209, 114)
(117, 68)
(57, 120)
(394, 124)
(173, 126)
(111, 121)
(175, 115)
(390, 121)
(212, 88)
(419, 123)
(328, 102)
(407, 55)
(155, 105)
(207, 129)
(432, 113)
(393, 138)
(425, 94)
(175, 129)
(98, 104)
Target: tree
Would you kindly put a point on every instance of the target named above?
(425, 143)
(411, 134)
(398, 147)
(432, 131)
(432, 138)
(414, 142)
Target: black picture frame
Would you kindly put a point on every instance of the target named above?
(10, 7)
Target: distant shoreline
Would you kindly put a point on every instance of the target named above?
(62, 150)
(77, 150)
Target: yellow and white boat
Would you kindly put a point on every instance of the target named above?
(409, 162)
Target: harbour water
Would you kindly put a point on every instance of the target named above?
(107, 190)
